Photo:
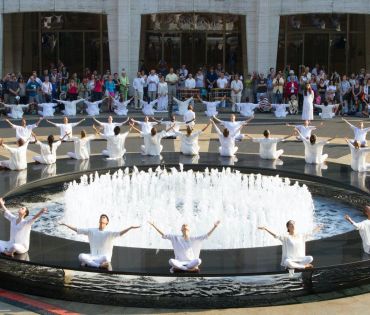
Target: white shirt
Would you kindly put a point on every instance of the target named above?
(326, 111)
(66, 129)
(152, 144)
(108, 128)
(211, 108)
(236, 85)
(305, 131)
(49, 155)
(294, 247)
(313, 152)
(186, 250)
(364, 228)
(24, 133)
(358, 160)
(247, 109)
(93, 107)
(176, 127)
(268, 147)
(227, 143)
(360, 134)
(18, 157)
(189, 144)
(46, 88)
(47, 109)
(189, 117)
(116, 145)
(233, 126)
(190, 83)
(16, 111)
(101, 242)
(152, 81)
(183, 105)
(82, 147)
(222, 83)
(162, 88)
(280, 110)
(19, 233)
(138, 84)
(146, 126)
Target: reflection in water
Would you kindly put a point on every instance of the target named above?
(16, 178)
(79, 165)
(269, 163)
(314, 169)
(228, 160)
(24, 257)
(188, 159)
(358, 179)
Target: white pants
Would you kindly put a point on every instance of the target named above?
(185, 265)
(297, 263)
(236, 98)
(137, 97)
(12, 248)
(274, 156)
(227, 152)
(92, 260)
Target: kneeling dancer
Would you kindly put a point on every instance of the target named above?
(186, 248)
(101, 243)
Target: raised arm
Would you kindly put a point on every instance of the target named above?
(205, 128)
(11, 125)
(158, 230)
(217, 129)
(38, 214)
(133, 127)
(124, 122)
(348, 123)
(213, 228)
(97, 121)
(349, 219)
(128, 229)
(218, 120)
(38, 122)
(52, 123)
(77, 123)
(69, 226)
(263, 228)
(248, 120)
(156, 120)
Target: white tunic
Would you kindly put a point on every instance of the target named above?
(19, 233)
(294, 247)
(66, 129)
(233, 126)
(138, 84)
(101, 242)
(211, 108)
(280, 110)
(48, 156)
(228, 147)
(116, 145)
(152, 144)
(189, 118)
(326, 111)
(82, 147)
(186, 250)
(313, 152)
(236, 85)
(189, 144)
(93, 107)
(18, 157)
(176, 127)
(307, 110)
(182, 105)
(247, 109)
(146, 126)
(305, 131)
(358, 160)
(360, 134)
(70, 107)
(24, 133)
(364, 228)
(148, 107)
(47, 109)
(162, 96)
(16, 111)
(121, 109)
(268, 147)
(190, 83)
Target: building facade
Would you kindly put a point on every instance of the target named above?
(241, 35)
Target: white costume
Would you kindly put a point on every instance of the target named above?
(294, 251)
(93, 107)
(82, 148)
(24, 133)
(189, 118)
(234, 128)
(108, 128)
(358, 160)
(19, 234)
(48, 109)
(48, 156)
(115, 146)
(146, 126)
(211, 108)
(186, 251)
(148, 107)
(16, 111)
(189, 144)
(189, 83)
(121, 107)
(66, 129)
(313, 152)
(18, 158)
(305, 131)
(176, 127)
(326, 111)
(227, 147)
(280, 110)
(162, 96)
(246, 109)
(364, 228)
(307, 110)
(268, 148)
(182, 105)
(70, 107)
(360, 134)
(101, 247)
(152, 144)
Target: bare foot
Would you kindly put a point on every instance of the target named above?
(196, 269)
(308, 266)
(104, 265)
(9, 254)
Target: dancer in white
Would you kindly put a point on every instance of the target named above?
(183, 105)
(246, 109)
(25, 131)
(18, 156)
(148, 109)
(121, 105)
(211, 106)
(92, 108)
(81, 147)
(101, 243)
(47, 109)
(69, 106)
(360, 132)
(364, 228)
(294, 248)
(189, 116)
(358, 156)
(48, 151)
(146, 125)
(16, 110)
(234, 126)
(109, 126)
(66, 128)
(305, 130)
(280, 110)
(152, 141)
(162, 95)
(227, 141)
(308, 96)
(186, 248)
(173, 125)
(268, 145)
(327, 111)
(115, 144)
(313, 150)
(189, 140)
(20, 229)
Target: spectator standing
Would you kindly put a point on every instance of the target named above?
(138, 85)
(278, 89)
(152, 81)
(171, 79)
(236, 91)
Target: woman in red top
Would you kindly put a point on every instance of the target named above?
(72, 90)
(97, 92)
